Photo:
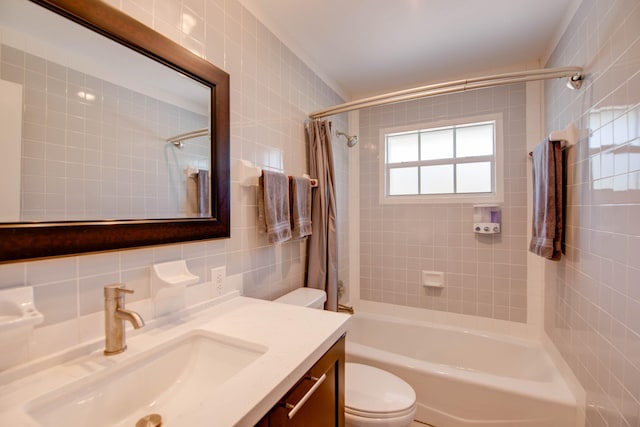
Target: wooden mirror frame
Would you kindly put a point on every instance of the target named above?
(29, 240)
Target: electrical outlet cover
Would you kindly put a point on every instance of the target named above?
(217, 280)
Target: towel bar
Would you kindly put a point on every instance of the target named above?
(568, 136)
(249, 174)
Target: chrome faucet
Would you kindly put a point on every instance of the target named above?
(114, 316)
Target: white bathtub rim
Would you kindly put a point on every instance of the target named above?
(519, 340)
(555, 391)
(569, 377)
(480, 325)
(433, 412)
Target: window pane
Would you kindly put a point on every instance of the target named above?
(403, 181)
(436, 144)
(436, 179)
(402, 148)
(474, 177)
(476, 140)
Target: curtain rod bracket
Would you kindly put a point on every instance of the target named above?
(575, 82)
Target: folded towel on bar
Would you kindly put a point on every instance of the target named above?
(273, 206)
(546, 236)
(300, 202)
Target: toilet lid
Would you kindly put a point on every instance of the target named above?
(374, 391)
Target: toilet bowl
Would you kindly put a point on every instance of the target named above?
(373, 397)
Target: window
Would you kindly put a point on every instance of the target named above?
(443, 162)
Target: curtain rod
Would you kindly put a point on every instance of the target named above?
(575, 75)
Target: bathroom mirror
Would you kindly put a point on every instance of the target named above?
(88, 168)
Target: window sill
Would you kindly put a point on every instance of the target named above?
(444, 199)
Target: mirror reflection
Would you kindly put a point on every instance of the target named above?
(90, 141)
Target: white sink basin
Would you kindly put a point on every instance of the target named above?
(170, 379)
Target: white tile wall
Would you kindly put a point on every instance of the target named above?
(485, 274)
(272, 92)
(592, 298)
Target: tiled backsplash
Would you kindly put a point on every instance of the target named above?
(592, 297)
(272, 92)
(485, 274)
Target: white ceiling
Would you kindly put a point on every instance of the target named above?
(367, 47)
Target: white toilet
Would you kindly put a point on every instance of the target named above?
(373, 397)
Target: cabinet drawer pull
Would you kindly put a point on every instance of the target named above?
(295, 408)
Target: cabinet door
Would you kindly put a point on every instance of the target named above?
(317, 400)
(264, 422)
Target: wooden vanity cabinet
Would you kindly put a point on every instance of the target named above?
(317, 399)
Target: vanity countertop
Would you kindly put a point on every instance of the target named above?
(294, 339)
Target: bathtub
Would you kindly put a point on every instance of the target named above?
(465, 378)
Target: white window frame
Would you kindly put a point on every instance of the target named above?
(495, 197)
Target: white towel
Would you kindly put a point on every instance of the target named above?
(273, 206)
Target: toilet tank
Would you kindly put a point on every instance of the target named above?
(307, 297)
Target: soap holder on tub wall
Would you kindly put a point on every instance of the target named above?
(168, 283)
(433, 279)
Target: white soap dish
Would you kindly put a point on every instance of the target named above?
(17, 310)
(174, 273)
(433, 279)
(168, 283)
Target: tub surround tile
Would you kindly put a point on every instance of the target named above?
(439, 236)
(591, 297)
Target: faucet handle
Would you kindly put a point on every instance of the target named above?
(115, 290)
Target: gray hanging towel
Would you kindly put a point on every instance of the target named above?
(273, 206)
(300, 201)
(546, 233)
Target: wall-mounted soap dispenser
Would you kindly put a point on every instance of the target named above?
(487, 219)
